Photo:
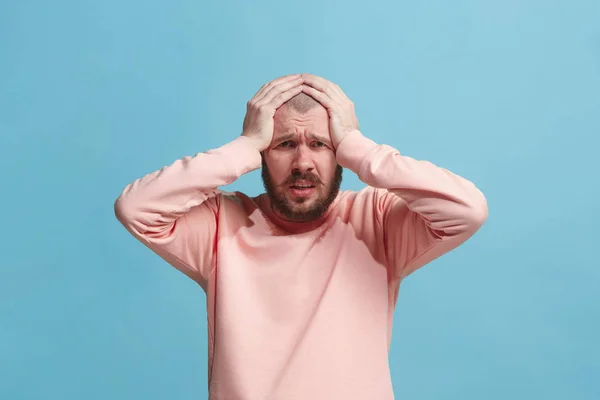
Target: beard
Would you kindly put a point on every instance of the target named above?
(286, 208)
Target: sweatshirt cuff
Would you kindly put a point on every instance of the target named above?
(353, 149)
(241, 156)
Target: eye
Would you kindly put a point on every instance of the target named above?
(287, 143)
(319, 144)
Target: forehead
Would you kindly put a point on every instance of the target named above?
(315, 120)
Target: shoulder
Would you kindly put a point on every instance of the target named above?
(218, 201)
(368, 198)
(239, 203)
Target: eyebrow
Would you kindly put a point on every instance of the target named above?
(291, 135)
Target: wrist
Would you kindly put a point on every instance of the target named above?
(259, 145)
(353, 149)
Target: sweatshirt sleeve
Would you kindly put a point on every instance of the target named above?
(425, 211)
(174, 211)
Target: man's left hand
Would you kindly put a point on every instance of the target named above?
(342, 118)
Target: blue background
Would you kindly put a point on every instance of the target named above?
(94, 94)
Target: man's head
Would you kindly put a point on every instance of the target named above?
(299, 169)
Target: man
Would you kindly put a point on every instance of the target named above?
(301, 281)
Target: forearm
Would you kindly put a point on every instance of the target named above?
(156, 200)
(450, 204)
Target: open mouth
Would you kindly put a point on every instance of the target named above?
(302, 189)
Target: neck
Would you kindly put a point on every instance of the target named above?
(294, 226)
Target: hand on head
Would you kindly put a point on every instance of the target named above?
(258, 123)
(342, 117)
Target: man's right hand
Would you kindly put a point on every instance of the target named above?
(258, 123)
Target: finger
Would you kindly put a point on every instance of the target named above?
(340, 91)
(321, 97)
(327, 83)
(317, 82)
(282, 97)
(322, 85)
(333, 90)
(267, 86)
(278, 89)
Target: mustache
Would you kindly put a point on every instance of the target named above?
(307, 177)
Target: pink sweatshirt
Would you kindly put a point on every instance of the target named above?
(301, 311)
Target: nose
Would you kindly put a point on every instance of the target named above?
(303, 159)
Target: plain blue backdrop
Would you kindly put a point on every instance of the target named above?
(96, 93)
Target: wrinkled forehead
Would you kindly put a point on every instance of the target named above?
(315, 120)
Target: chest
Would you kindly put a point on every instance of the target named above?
(285, 275)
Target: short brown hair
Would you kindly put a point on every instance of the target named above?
(302, 102)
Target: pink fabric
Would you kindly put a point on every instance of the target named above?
(301, 310)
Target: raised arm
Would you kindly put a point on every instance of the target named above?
(175, 211)
(425, 212)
